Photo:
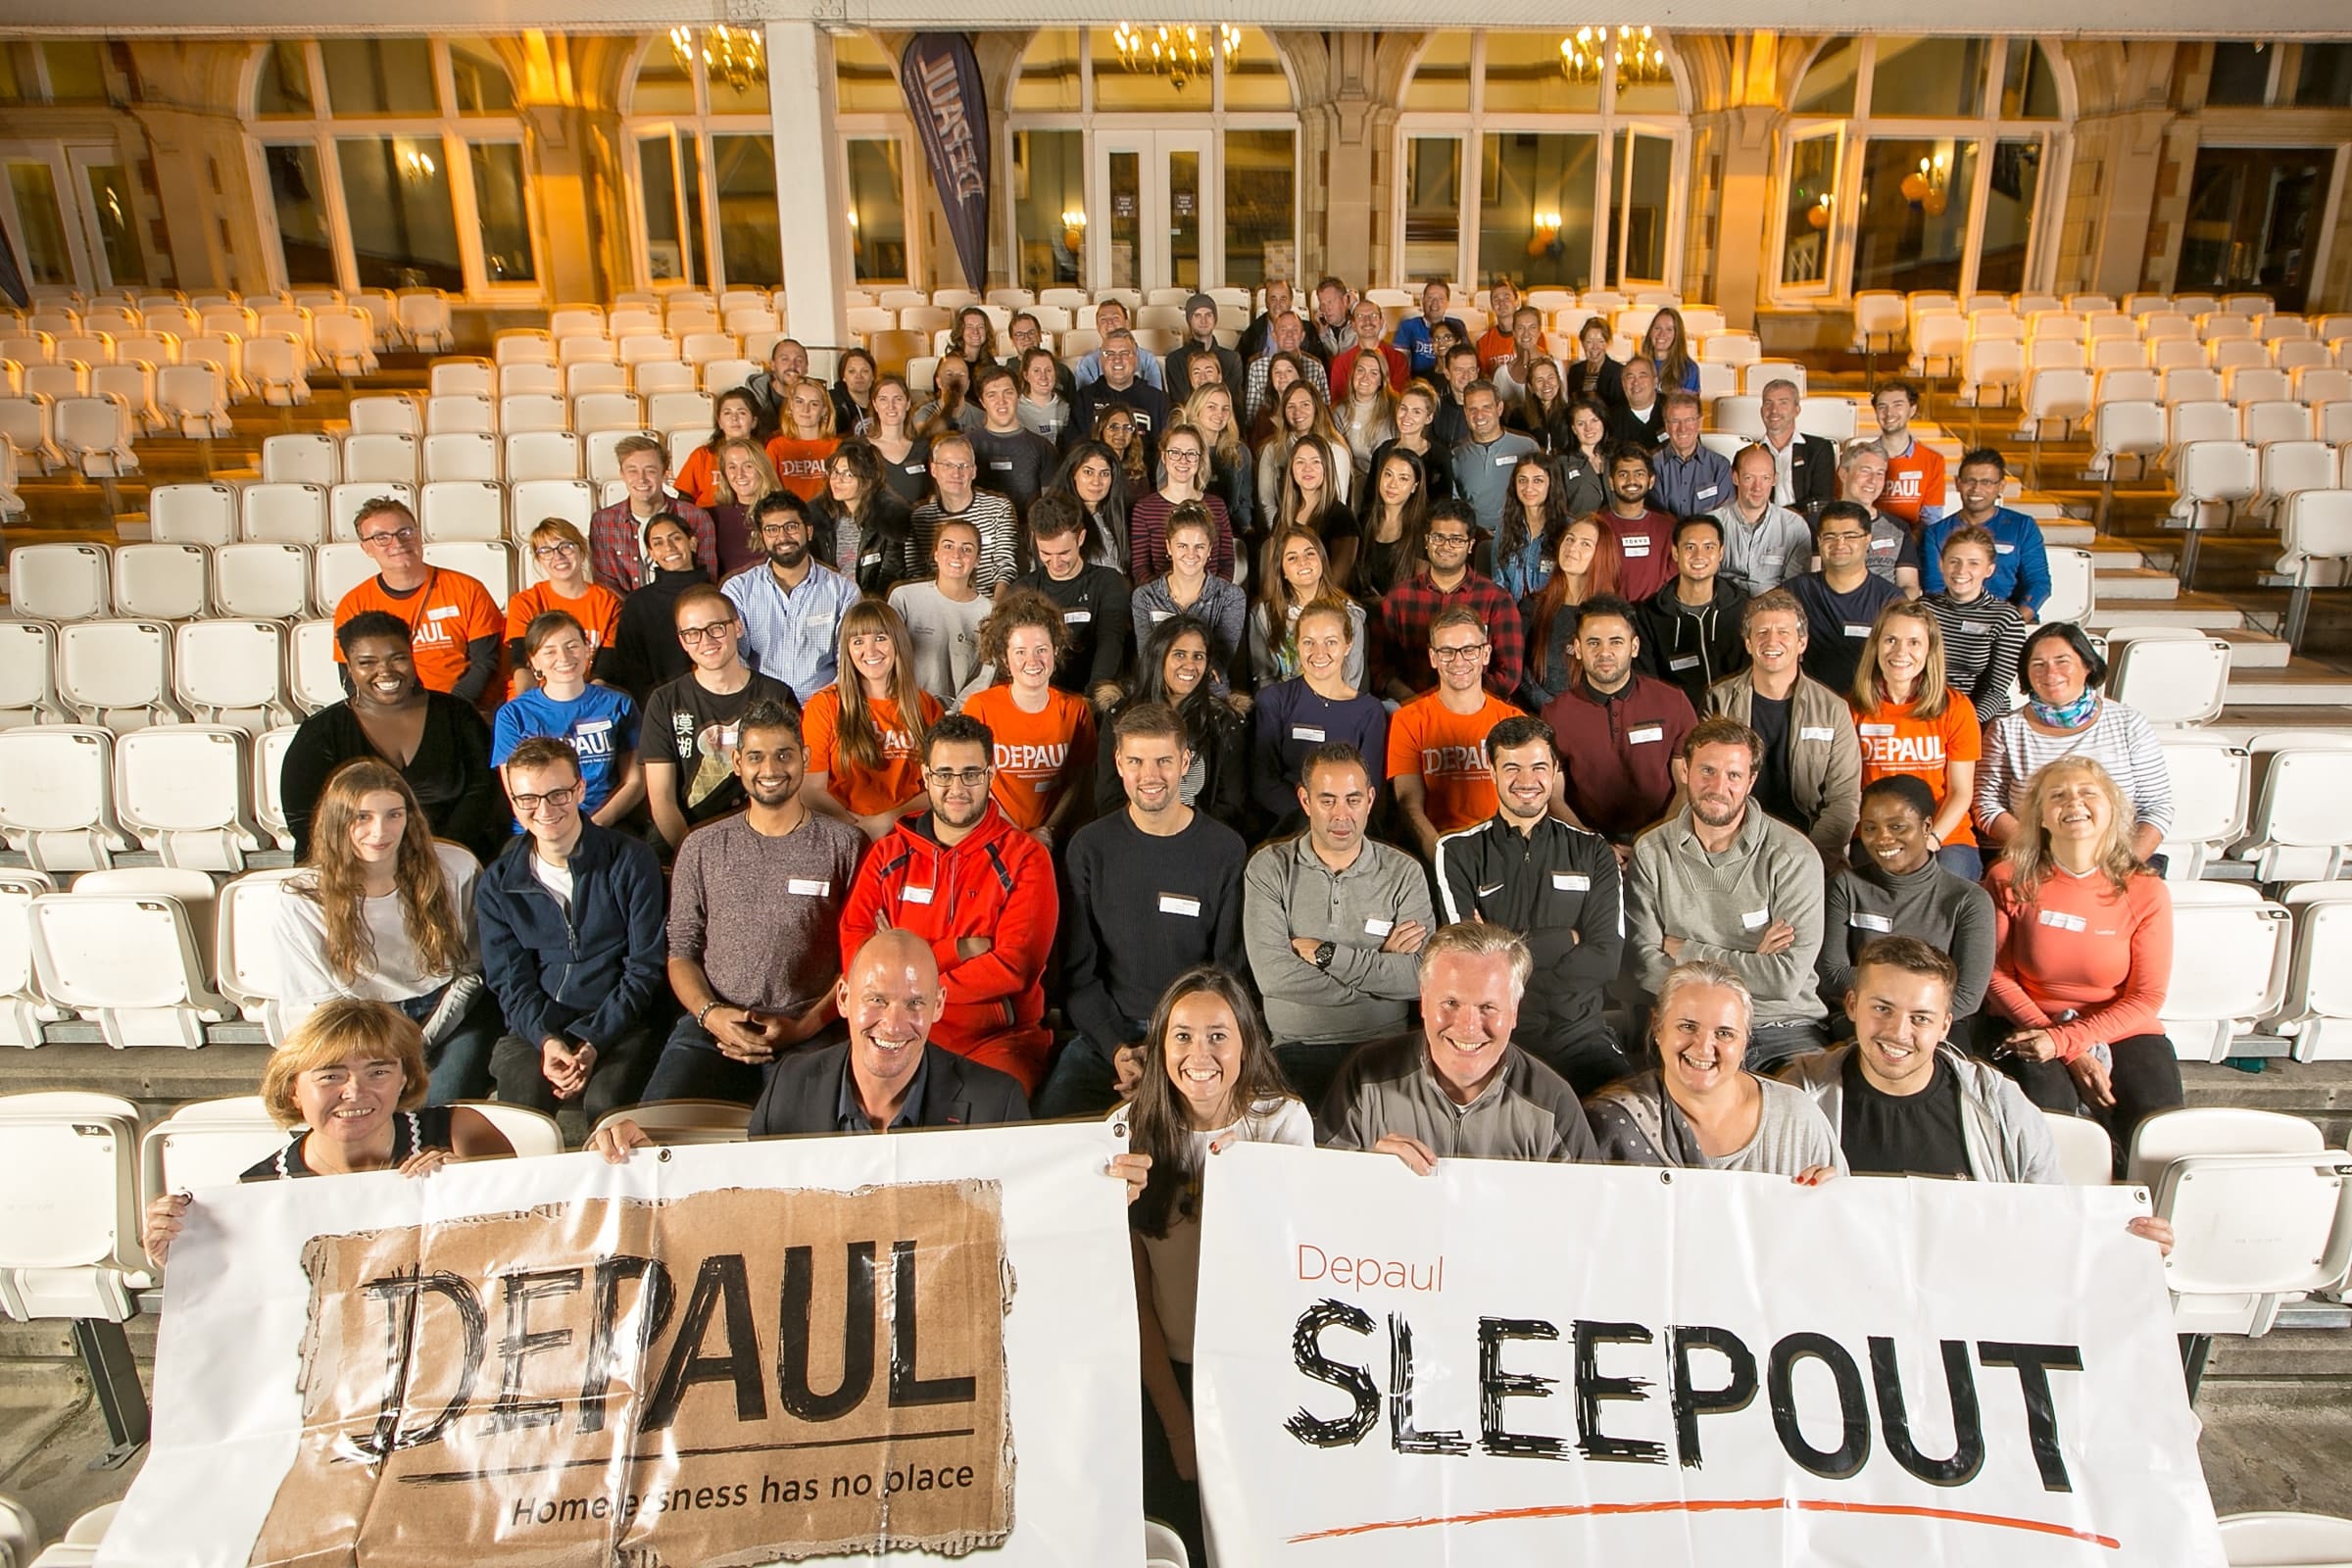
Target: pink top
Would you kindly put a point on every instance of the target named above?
(2079, 945)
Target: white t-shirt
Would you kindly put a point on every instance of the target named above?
(398, 973)
(1175, 1257)
(557, 879)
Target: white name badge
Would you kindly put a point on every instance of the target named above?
(1634, 549)
(1158, 615)
(1974, 629)
(1504, 463)
(726, 737)
(1868, 923)
(808, 887)
(1042, 785)
(1704, 494)
(594, 726)
(917, 467)
(1875, 729)
(1569, 882)
(1816, 732)
(441, 612)
(1001, 464)
(1754, 918)
(1379, 928)
(1306, 732)
(1687, 661)
(1077, 617)
(1857, 633)
(2006, 549)
(1771, 561)
(1645, 734)
(915, 894)
(870, 560)
(2063, 921)
(1172, 904)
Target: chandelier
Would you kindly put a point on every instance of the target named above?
(735, 56)
(1640, 59)
(1178, 53)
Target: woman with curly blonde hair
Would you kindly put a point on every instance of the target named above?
(1045, 738)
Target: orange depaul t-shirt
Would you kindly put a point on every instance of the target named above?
(697, 478)
(597, 611)
(1039, 756)
(443, 617)
(1914, 480)
(801, 464)
(1895, 740)
(1449, 750)
(865, 792)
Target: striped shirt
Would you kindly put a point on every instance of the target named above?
(2120, 740)
(1982, 641)
(999, 524)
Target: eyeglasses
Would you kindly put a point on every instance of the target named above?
(552, 800)
(404, 535)
(551, 552)
(784, 526)
(1448, 538)
(704, 634)
(938, 466)
(1459, 655)
(971, 778)
(1180, 455)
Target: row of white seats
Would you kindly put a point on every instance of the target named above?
(2144, 431)
(275, 370)
(95, 436)
(298, 512)
(133, 676)
(2215, 482)
(341, 340)
(315, 457)
(2314, 385)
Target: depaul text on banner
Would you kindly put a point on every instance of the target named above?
(770, 1353)
(941, 78)
(1517, 1363)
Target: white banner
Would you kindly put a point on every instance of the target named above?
(1514, 1363)
(919, 1345)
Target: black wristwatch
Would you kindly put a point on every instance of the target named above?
(1325, 952)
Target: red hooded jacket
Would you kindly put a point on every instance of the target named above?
(998, 883)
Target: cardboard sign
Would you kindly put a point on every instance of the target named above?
(1683, 1369)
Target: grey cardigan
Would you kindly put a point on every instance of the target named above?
(2006, 1138)
(1722, 905)
(1825, 769)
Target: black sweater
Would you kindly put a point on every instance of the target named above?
(450, 773)
(1139, 911)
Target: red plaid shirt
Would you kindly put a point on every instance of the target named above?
(1409, 609)
(617, 543)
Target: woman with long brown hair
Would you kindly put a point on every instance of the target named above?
(1302, 415)
(1228, 471)
(746, 478)
(864, 732)
(1293, 575)
(698, 477)
(906, 450)
(1389, 523)
(1585, 562)
(1310, 498)
(862, 529)
(383, 911)
(1911, 721)
(1184, 458)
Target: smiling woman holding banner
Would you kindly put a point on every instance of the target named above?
(1209, 1078)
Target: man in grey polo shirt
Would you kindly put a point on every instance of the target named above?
(1460, 1089)
(1483, 465)
(1332, 922)
(1764, 545)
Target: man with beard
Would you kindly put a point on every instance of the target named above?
(980, 892)
(1811, 775)
(754, 921)
(792, 608)
(1645, 534)
(1722, 881)
(1619, 731)
(1557, 885)
(1460, 1089)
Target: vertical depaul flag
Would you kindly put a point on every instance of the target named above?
(942, 83)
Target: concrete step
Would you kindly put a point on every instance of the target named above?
(2251, 649)
(2199, 611)
(2240, 723)
(2107, 555)
(2136, 584)
(2303, 682)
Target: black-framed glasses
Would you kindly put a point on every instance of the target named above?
(552, 800)
(971, 778)
(704, 634)
(403, 534)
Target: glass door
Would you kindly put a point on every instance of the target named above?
(110, 218)
(1159, 225)
(2253, 220)
(1641, 238)
(671, 176)
(32, 204)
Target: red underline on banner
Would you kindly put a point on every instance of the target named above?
(1717, 1505)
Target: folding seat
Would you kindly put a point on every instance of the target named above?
(592, 411)
(738, 299)
(657, 376)
(2225, 327)
(2191, 383)
(1881, 319)
(283, 514)
(2230, 953)
(313, 676)
(520, 413)
(23, 1009)
(2172, 674)
(117, 673)
(336, 570)
(207, 1143)
(385, 414)
(57, 382)
(70, 1246)
(231, 673)
(261, 581)
(2085, 1154)
(1832, 418)
(58, 582)
(298, 458)
(571, 351)
(2212, 788)
(522, 346)
(532, 501)
(25, 424)
(470, 376)
(2245, 386)
(181, 788)
(1716, 382)
(57, 796)
(344, 500)
(28, 674)
(922, 372)
(2265, 423)
(2211, 474)
(1068, 299)
(95, 435)
(2285, 1538)
(344, 342)
(1991, 370)
(2056, 353)
(595, 375)
(2296, 830)
(2316, 1011)
(672, 411)
(576, 321)
(683, 442)
(277, 371)
(2131, 384)
(2291, 467)
(489, 564)
(175, 319)
(2316, 544)
(2117, 354)
(424, 320)
(270, 750)
(129, 951)
(28, 348)
(460, 455)
(1742, 416)
(2054, 396)
(684, 319)
(134, 386)
(463, 509)
(380, 459)
(645, 348)
(225, 355)
(632, 320)
(1052, 320)
(2321, 385)
(699, 349)
(161, 582)
(542, 455)
(604, 465)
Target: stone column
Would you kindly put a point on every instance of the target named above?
(809, 197)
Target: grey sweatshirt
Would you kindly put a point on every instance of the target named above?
(1288, 892)
(2006, 1136)
(1950, 915)
(1722, 905)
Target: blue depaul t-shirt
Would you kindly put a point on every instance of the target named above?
(600, 724)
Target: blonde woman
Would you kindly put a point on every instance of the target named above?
(560, 552)
(698, 478)
(1911, 721)
(746, 478)
(383, 911)
(1231, 475)
(864, 732)
(805, 442)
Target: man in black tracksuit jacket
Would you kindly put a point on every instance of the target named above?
(1690, 629)
(1556, 885)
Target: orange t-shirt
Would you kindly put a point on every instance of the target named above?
(1495, 346)
(1449, 750)
(443, 617)
(697, 478)
(865, 791)
(1913, 480)
(597, 611)
(1039, 756)
(1895, 741)
(801, 464)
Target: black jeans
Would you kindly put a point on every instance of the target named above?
(2145, 1078)
(616, 1082)
(1167, 1497)
(458, 1062)
(1083, 1081)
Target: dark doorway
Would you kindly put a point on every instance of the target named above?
(2254, 221)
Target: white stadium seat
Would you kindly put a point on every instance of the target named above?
(461, 414)
(23, 1009)
(2231, 1277)
(460, 455)
(182, 789)
(2230, 953)
(268, 783)
(283, 514)
(385, 414)
(464, 509)
(207, 1143)
(384, 458)
(2315, 1013)
(313, 678)
(543, 455)
(2286, 1541)
(57, 796)
(28, 674)
(520, 412)
(127, 950)
(2084, 1151)
(192, 514)
(161, 582)
(532, 501)
(69, 1205)
(246, 952)
(262, 581)
(2172, 674)
(491, 564)
(2296, 831)
(344, 500)
(336, 570)
(58, 582)
(231, 672)
(117, 673)
(597, 451)
(2212, 787)
(533, 1133)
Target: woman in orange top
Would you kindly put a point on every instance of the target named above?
(1045, 738)
(560, 554)
(807, 443)
(864, 732)
(698, 478)
(1911, 721)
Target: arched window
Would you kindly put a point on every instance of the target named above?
(1553, 159)
(1143, 170)
(1917, 163)
(393, 163)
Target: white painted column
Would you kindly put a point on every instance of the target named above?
(811, 200)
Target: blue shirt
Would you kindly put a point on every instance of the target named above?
(1088, 370)
(1689, 486)
(2020, 564)
(1413, 341)
(600, 724)
(792, 637)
